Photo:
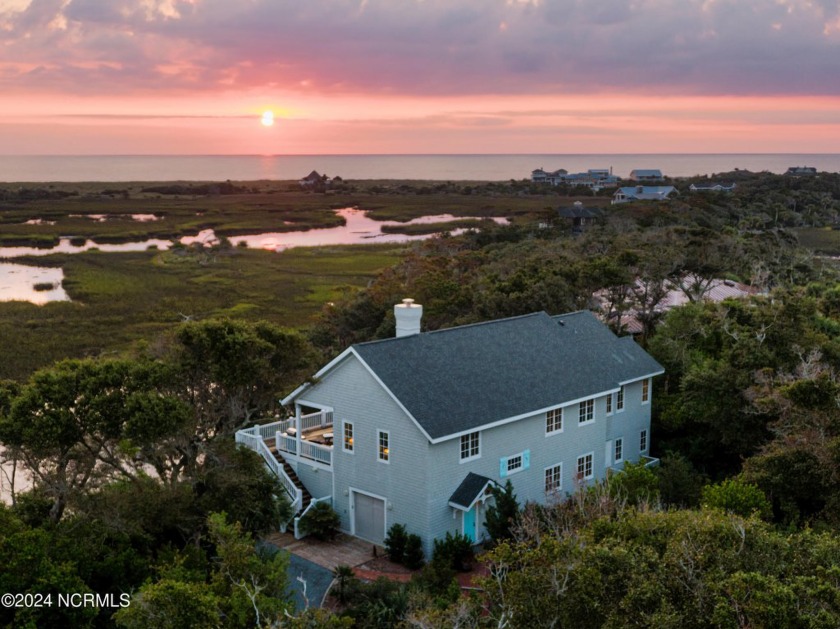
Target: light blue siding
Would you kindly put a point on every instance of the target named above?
(355, 396)
(420, 477)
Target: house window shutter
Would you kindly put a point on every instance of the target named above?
(526, 459)
(503, 466)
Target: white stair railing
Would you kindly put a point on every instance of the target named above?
(252, 438)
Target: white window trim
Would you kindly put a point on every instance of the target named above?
(562, 421)
(577, 466)
(645, 382)
(623, 393)
(588, 421)
(559, 488)
(609, 405)
(615, 444)
(469, 458)
(647, 441)
(379, 458)
(344, 423)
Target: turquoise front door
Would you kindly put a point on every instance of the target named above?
(469, 524)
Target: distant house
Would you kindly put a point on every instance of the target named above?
(313, 179)
(801, 171)
(711, 187)
(553, 178)
(578, 216)
(646, 174)
(594, 178)
(415, 430)
(643, 193)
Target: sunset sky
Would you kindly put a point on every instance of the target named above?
(419, 76)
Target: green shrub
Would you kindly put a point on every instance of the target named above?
(455, 551)
(413, 558)
(437, 579)
(503, 514)
(736, 496)
(395, 543)
(321, 521)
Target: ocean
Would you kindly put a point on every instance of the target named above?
(46, 168)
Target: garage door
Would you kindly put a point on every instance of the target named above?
(369, 517)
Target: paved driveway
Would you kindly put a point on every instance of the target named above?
(314, 561)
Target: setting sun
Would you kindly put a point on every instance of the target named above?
(267, 118)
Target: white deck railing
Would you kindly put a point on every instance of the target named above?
(316, 452)
(285, 443)
(253, 439)
(313, 421)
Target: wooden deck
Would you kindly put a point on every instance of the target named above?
(345, 550)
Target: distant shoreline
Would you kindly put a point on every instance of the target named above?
(462, 168)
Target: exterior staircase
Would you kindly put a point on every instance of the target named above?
(290, 472)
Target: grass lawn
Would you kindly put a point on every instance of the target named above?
(122, 298)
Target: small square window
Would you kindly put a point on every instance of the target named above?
(554, 420)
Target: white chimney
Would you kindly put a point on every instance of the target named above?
(408, 316)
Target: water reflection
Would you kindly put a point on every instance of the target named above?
(18, 282)
(358, 229)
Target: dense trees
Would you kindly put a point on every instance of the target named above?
(130, 456)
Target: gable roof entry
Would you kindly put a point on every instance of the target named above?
(469, 491)
(460, 379)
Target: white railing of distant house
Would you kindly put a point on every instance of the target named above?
(253, 439)
(298, 533)
(650, 461)
(321, 419)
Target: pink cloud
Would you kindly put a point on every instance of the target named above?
(435, 47)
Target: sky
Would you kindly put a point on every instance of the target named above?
(124, 77)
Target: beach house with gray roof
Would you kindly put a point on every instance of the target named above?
(421, 426)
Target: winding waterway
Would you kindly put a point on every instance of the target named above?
(17, 281)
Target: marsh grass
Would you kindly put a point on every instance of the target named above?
(121, 299)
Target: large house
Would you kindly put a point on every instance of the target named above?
(642, 193)
(416, 429)
(594, 178)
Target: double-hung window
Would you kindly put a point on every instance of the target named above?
(619, 399)
(553, 478)
(470, 446)
(347, 438)
(609, 404)
(585, 467)
(619, 450)
(645, 391)
(643, 444)
(587, 412)
(554, 421)
(384, 449)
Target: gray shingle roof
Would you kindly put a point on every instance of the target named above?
(460, 379)
(469, 490)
